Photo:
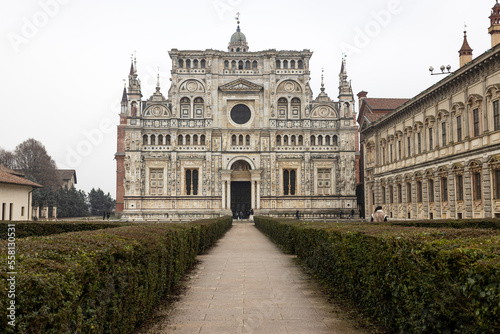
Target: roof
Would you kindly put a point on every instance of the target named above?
(374, 108)
(10, 171)
(66, 174)
(384, 103)
(9, 176)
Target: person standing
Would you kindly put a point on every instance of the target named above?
(297, 214)
(379, 215)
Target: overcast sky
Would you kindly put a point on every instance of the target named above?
(63, 61)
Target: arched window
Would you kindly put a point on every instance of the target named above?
(293, 140)
(226, 64)
(202, 140)
(195, 63)
(195, 139)
(185, 107)
(188, 140)
(278, 64)
(335, 141)
(327, 140)
(198, 107)
(160, 140)
(247, 140)
(292, 64)
(240, 65)
(254, 65)
(313, 140)
(247, 65)
(181, 63)
(188, 63)
(285, 63)
(301, 140)
(300, 64)
(153, 140)
(237, 49)
(282, 107)
(203, 63)
(145, 140)
(295, 107)
(233, 140)
(240, 140)
(285, 140)
(233, 65)
(320, 140)
(167, 142)
(180, 140)
(278, 140)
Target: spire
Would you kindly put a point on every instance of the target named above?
(322, 81)
(124, 95)
(238, 42)
(158, 80)
(342, 67)
(465, 52)
(132, 67)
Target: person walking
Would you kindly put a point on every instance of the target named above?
(352, 213)
(379, 215)
(297, 214)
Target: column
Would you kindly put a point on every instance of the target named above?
(258, 194)
(437, 195)
(223, 195)
(252, 204)
(486, 178)
(229, 195)
(452, 200)
(255, 176)
(413, 197)
(425, 197)
(467, 192)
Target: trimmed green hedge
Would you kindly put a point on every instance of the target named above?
(104, 281)
(38, 229)
(414, 280)
(459, 223)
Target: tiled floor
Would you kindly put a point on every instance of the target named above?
(247, 285)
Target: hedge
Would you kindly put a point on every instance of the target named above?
(38, 229)
(104, 281)
(459, 223)
(413, 280)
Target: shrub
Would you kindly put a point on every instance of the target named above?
(414, 280)
(33, 229)
(104, 281)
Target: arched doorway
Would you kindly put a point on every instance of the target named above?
(241, 189)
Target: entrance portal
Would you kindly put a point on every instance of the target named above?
(241, 194)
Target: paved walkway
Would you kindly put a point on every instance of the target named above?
(247, 285)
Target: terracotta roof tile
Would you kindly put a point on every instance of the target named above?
(384, 103)
(12, 178)
(10, 171)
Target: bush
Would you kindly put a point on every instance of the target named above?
(38, 229)
(414, 280)
(104, 281)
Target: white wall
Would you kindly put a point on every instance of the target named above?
(13, 198)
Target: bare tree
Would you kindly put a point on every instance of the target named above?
(7, 159)
(32, 159)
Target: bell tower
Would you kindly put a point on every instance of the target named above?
(465, 52)
(494, 28)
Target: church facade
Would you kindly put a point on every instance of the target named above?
(237, 131)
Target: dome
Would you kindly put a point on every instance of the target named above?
(238, 36)
(238, 42)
